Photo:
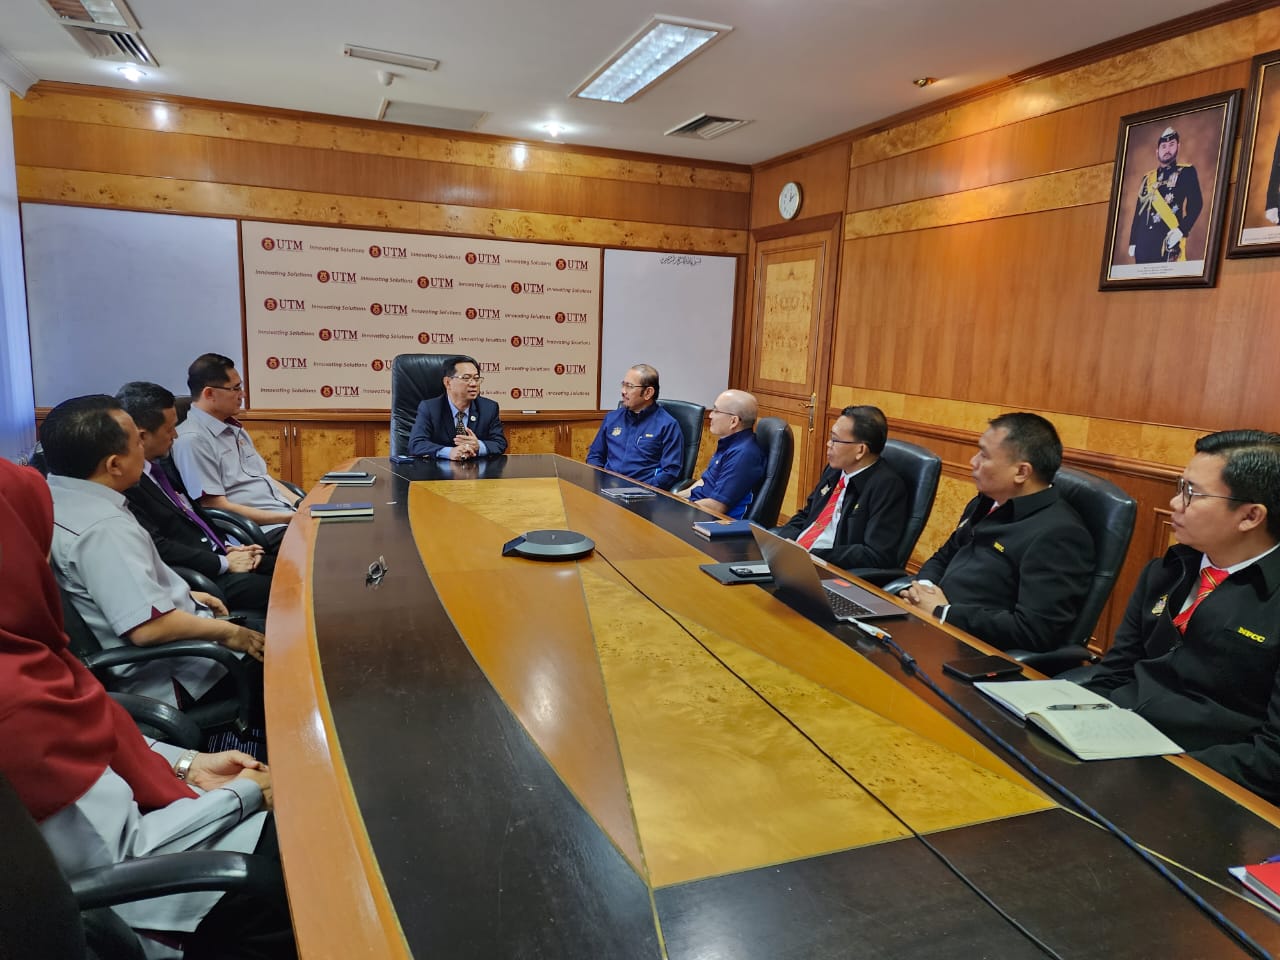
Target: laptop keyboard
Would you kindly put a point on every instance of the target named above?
(842, 606)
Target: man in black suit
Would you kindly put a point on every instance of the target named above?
(183, 535)
(459, 424)
(856, 514)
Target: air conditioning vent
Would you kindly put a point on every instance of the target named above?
(427, 115)
(112, 45)
(706, 127)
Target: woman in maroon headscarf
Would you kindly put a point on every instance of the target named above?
(100, 793)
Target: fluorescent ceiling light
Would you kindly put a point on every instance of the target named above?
(130, 72)
(661, 45)
(388, 56)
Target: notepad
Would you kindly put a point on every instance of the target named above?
(337, 511)
(718, 529)
(348, 479)
(1262, 878)
(1099, 730)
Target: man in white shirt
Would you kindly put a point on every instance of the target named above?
(219, 464)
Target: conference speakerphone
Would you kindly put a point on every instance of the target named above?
(549, 545)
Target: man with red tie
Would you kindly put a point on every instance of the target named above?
(1198, 653)
(856, 514)
(183, 535)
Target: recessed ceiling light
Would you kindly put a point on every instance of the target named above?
(130, 72)
(661, 45)
(553, 128)
(389, 56)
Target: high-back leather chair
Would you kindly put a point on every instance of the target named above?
(774, 437)
(1109, 515)
(919, 469)
(690, 416)
(414, 377)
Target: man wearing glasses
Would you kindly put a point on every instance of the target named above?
(459, 424)
(735, 469)
(1198, 652)
(856, 514)
(215, 455)
(639, 439)
(1016, 569)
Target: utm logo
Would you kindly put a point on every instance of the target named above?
(378, 366)
(441, 283)
(484, 313)
(280, 243)
(471, 313)
(322, 276)
(424, 338)
(490, 258)
(436, 337)
(563, 264)
(526, 341)
(271, 303)
(268, 243)
(398, 253)
(390, 309)
(343, 390)
(516, 341)
(471, 257)
(326, 391)
(289, 363)
(526, 287)
(273, 363)
(325, 333)
(340, 334)
(336, 276)
(570, 368)
(375, 251)
(563, 316)
(527, 393)
(490, 366)
(375, 309)
(516, 286)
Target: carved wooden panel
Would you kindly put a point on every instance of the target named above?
(788, 316)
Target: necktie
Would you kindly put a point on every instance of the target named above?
(460, 422)
(162, 481)
(1210, 577)
(824, 518)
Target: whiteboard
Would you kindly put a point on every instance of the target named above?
(673, 311)
(114, 296)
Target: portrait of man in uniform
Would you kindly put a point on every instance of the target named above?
(1169, 203)
(1167, 194)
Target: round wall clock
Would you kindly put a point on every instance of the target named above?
(789, 200)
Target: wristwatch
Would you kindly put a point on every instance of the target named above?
(183, 766)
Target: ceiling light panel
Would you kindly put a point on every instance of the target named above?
(108, 14)
(663, 44)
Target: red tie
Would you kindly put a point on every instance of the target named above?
(1210, 577)
(824, 518)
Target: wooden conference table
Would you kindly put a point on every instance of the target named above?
(492, 757)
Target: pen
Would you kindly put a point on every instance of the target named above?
(1079, 706)
(872, 631)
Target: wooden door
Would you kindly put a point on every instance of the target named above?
(792, 318)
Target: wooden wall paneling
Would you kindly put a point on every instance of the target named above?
(1080, 136)
(823, 176)
(136, 110)
(381, 441)
(532, 437)
(93, 147)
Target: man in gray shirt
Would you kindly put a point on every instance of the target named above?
(219, 464)
(107, 563)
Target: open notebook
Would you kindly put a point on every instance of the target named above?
(1090, 726)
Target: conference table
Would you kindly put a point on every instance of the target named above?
(485, 756)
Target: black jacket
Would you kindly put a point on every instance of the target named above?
(179, 540)
(1215, 690)
(1016, 577)
(872, 518)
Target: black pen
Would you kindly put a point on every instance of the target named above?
(1079, 706)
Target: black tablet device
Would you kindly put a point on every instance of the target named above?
(982, 668)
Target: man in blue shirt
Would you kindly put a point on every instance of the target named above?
(639, 440)
(730, 480)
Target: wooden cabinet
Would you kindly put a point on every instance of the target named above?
(301, 451)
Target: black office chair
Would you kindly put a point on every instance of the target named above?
(774, 436)
(919, 469)
(690, 416)
(1108, 514)
(232, 713)
(414, 377)
(45, 915)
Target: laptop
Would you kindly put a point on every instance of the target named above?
(793, 570)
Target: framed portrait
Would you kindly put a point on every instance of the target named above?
(1255, 215)
(1168, 192)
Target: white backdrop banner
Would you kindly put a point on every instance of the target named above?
(326, 310)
